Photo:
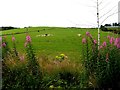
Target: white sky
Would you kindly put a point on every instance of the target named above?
(65, 13)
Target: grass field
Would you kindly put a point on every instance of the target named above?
(62, 40)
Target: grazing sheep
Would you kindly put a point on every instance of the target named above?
(79, 35)
(44, 35)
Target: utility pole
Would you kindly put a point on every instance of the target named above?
(118, 15)
(98, 24)
(98, 18)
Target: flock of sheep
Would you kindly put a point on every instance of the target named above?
(47, 35)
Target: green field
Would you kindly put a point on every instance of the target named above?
(61, 40)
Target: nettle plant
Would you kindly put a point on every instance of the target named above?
(103, 63)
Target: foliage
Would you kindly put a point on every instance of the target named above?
(103, 28)
(5, 47)
(108, 70)
(64, 74)
(21, 73)
(30, 72)
(102, 64)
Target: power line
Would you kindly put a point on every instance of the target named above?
(93, 25)
(107, 12)
(105, 6)
(100, 2)
(109, 16)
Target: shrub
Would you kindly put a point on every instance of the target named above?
(103, 28)
(22, 73)
(102, 64)
(108, 70)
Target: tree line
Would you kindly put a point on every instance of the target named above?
(113, 24)
(7, 28)
(114, 27)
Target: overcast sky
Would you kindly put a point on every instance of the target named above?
(65, 13)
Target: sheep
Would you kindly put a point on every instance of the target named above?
(79, 35)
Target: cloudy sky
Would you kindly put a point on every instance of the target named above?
(61, 13)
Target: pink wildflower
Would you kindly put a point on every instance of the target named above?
(104, 44)
(88, 34)
(83, 40)
(118, 45)
(119, 40)
(28, 38)
(95, 42)
(116, 42)
(4, 44)
(108, 37)
(112, 40)
(101, 47)
(13, 38)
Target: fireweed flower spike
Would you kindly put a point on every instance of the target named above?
(88, 34)
(3, 44)
(101, 47)
(108, 37)
(116, 42)
(13, 38)
(104, 44)
(28, 38)
(83, 40)
(118, 45)
(95, 42)
(112, 40)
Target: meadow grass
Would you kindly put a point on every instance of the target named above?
(63, 40)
